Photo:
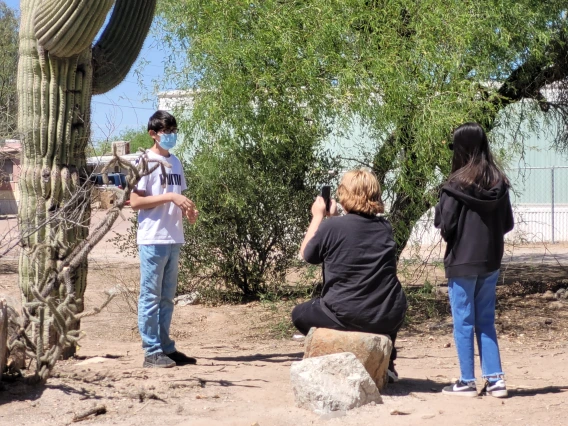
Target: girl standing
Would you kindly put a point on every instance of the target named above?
(474, 213)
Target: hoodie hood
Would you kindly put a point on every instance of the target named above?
(477, 199)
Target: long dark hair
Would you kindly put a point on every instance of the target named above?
(472, 163)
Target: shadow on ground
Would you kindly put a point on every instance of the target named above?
(261, 357)
(537, 391)
(19, 390)
(413, 387)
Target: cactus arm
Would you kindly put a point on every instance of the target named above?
(121, 42)
(67, 27)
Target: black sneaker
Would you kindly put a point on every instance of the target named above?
(181, 359)
(496, 389)
(158, 360)
(460, 388)
(392, 374)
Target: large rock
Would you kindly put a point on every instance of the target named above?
(372, 350)
(337, 382)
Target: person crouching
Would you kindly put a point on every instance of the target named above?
(361, 291)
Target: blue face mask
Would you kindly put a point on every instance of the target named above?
(168, 141)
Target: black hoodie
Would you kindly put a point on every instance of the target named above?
(473, 222)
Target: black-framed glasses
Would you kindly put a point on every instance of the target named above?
(169, 131)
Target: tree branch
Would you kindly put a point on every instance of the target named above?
(530, 78)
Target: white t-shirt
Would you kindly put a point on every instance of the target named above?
(162, 224)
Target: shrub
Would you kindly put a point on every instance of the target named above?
(254, 202)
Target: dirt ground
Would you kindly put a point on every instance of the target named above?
(242, 375)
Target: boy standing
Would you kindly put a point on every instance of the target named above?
(161, 205)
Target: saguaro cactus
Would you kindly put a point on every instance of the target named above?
(58, 72)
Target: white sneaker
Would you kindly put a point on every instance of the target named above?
(392, 373)
(460, 388)
(496, 389)
(393, 377)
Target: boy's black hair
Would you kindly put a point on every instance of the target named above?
(161, 120)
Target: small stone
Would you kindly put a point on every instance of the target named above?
(192, 298)
(548, 295)
(94, 360)
(399, 413)
(442, 291)
(556, 305)
(448, 345)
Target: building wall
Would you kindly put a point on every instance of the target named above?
(9, 177)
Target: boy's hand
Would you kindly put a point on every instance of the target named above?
(187, 207)
(183, 202)
(192, 215)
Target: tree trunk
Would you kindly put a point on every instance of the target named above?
(58, 71)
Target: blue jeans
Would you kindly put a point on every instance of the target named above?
(472, 300)
(158, 282)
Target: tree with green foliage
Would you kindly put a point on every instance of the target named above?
(408, 71)
(8, 68)
(255, 164)
(138, 138)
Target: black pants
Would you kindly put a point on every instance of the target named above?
(310, 314)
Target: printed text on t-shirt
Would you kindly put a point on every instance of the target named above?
(173, 179)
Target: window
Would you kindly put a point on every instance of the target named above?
(6, 175)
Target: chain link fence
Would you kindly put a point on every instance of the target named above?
(540, 202)
(539, 196)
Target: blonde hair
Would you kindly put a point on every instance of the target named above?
(360, 192)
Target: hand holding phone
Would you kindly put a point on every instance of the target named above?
(326, 195)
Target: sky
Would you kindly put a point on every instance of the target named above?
(130, 103)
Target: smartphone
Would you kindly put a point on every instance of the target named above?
(326, 195)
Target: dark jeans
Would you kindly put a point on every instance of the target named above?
(310, 314)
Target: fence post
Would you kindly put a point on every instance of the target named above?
(552, 204)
